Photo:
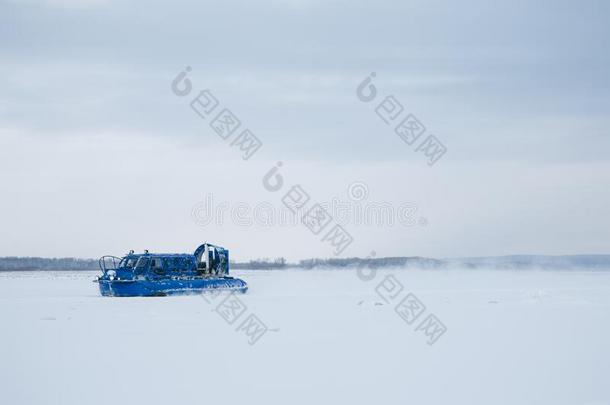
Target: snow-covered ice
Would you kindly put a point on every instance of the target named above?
(513, 337)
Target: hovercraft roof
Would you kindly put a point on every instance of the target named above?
(160, 255)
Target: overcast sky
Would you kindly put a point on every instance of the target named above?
(99, 156)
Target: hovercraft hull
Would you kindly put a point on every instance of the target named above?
(152, 288)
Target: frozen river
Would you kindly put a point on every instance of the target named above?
(312, 337)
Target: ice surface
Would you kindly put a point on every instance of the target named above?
(512, 338)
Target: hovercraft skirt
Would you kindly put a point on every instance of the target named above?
(150, 288)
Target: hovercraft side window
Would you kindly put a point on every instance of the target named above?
(142, 263)
(174, 264)
(157, 266)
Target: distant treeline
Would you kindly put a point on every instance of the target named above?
(258, 264)
(41, 263)
(575, 262)
(281, 263)
(419, 262)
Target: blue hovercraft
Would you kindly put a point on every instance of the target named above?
(147, 274)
